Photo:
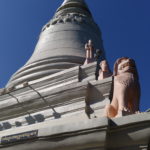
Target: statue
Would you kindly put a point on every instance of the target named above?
(89, 52)
(97, 56)
(104, 71)
(126, 89)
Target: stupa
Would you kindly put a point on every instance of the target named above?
(54, 102)
(61, 43)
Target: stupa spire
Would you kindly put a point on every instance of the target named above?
(78, 6)
(73, 1)
(61, 43)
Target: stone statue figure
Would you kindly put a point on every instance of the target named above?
(98, 56)
(104, 71)
(89, 52)
(126, 89)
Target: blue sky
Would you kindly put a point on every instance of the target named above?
(125, 26)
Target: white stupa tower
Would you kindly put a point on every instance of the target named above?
(54, 102)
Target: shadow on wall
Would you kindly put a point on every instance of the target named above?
(30, 120)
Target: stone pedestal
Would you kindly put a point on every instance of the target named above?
(66, 111)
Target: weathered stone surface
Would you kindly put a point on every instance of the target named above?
(61, 43)
(87, 72)
(130, 131)
(84, 134)
(60, 113)
(78, 133)
(45, 110)
(55, 90)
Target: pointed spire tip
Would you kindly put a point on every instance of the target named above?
(69, 1)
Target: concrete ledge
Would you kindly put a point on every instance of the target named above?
(75, 133)
(129, 132)
(78, 133)
(46, 94)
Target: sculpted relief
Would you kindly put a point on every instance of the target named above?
(126, 89)
(89, 48)
(104, 71)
